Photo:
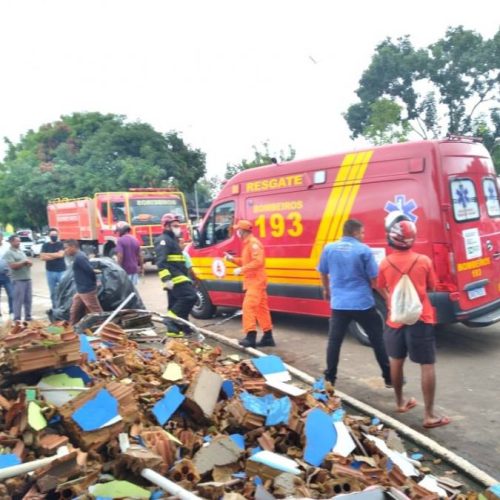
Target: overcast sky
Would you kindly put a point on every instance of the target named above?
(226, 74)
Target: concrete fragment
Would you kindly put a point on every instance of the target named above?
(220, 451)
(204, 391)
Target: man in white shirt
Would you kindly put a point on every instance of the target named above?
(4, 273)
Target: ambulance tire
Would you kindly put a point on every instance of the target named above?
(357, 331)
(203, 309)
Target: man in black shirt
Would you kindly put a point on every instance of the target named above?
(85, 281)
(53, 254)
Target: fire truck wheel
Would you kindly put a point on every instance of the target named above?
(203, 309)
(359, 332)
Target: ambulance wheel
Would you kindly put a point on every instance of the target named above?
(203, 309)
(358, 331)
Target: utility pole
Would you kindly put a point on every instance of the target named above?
(196, 204)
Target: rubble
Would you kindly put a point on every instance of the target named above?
(94, 416)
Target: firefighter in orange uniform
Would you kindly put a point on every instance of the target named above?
(255, 306)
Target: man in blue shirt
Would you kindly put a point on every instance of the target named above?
(85, 298)
(348, 274)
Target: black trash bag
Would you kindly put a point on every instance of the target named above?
(113, 287)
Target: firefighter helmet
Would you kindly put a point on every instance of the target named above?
(168, 218)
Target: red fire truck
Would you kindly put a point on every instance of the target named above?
(448, 187)
(92, 221)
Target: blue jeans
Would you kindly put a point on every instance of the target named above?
(134, 278)
(7, 284)
(53, 279)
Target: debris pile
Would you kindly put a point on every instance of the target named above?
(96, 416)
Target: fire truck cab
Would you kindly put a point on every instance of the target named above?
(447, 187)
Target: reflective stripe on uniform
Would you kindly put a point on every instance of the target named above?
(175, 258)
(164, 273)
(180, 279)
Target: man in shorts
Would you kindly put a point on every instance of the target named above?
(418, 340)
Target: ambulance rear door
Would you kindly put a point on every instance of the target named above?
(474, 233)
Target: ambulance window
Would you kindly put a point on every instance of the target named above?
(220, 223)
(464, 199)
(491, 196)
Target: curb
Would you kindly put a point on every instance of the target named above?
(460, 463)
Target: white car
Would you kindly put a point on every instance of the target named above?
(36, 248)
(26, 245)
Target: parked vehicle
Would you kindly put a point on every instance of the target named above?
(26, 245)
(25, 232)
(36, 248)
(448, 187)
(92, 221)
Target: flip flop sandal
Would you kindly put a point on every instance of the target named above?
(439, 423)
(411, 403)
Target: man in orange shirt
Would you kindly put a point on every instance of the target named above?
(417, 340)
(255, 303)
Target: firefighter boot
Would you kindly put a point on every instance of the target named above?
(173, 329)
(267, 340)
(249, 340)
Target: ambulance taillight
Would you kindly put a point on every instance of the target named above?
(444, 267)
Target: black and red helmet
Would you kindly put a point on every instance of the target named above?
(401, 231)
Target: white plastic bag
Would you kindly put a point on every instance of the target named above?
(406, 306)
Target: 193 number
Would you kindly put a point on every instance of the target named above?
(278, 224)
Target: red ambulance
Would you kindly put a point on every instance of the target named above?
(447, 187)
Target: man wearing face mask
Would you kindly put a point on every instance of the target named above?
(255, 303)
(52, 253)
(174, 275)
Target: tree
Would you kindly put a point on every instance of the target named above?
(444, 87)
(262, 156)
(385, 124)
(204, 192)
(89, 152)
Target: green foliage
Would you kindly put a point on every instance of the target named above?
(385, 124)
(85, 153)
(439, 88)
(490, 135)
(262, 156)
(207, 189)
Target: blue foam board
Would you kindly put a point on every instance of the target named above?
(321, 437)
(96, 412)
(167, 406)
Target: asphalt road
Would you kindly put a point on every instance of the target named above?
(468, 372)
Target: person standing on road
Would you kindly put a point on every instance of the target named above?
(255, 302)
(85, 298)
(53, 254)
(173, 273)
(5, 274)
(20, 268)
(417, 340)
(128, 253)
(348, 275)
